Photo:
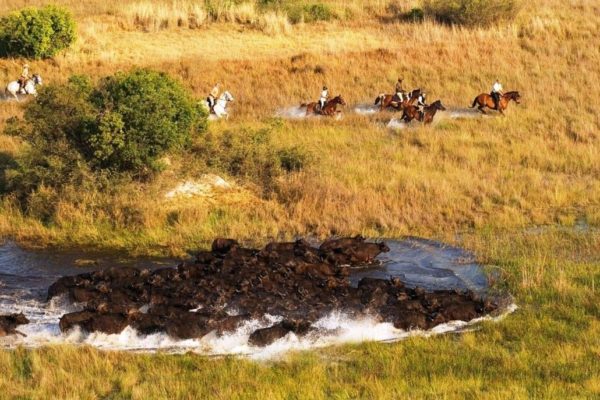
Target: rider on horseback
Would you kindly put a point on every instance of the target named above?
(23, 78)
(421, 102)
(398, 91)
(496, 93)
(324, 97)
(212, 97)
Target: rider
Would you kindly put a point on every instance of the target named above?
(421, 101)
(24, 77)
(324, 98)
(496, 93)
(398, 90)
(214, 93)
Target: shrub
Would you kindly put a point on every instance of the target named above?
(471, 12)
(414, 15)
(143, 114)
(309, 12)
(77, 132)
(293, 159)
(36, 32)
(251, 155)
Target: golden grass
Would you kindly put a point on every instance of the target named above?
(479, 183)
(536, 166)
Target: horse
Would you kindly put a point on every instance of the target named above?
(426, 116)
(219, 109)
(329, 109)
(14, 88)
(486, 100)
(387, 100)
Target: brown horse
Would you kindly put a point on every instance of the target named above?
(486, 100)
(425, 116)
(329, 109)
(387, 100)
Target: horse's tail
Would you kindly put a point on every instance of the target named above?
(474, 102)
(303, 105)
(379, 99)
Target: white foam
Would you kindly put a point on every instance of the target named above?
(397, 123)
(366, 109)
(461, 113)
(300, 113)
(334, 329)
(292, 113)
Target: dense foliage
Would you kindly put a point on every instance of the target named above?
(36, 32)
(471, 12)
(124, 125)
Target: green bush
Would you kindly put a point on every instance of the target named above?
(309, 12)
(143, 114)
(471, 12)
(414, 15)
(36, 32)
(77, 132)
(250, 155)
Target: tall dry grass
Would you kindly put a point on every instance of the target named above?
(535, 166)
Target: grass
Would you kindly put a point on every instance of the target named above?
(547, 349)
(481, 184)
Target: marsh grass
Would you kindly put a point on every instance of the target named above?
(481, 184)
(546, 349)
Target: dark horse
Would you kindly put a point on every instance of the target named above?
(425, 116)
(486, 100)
(389, 100)
(329, 109)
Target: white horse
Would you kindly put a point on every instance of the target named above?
(220, 108)
(14, 89)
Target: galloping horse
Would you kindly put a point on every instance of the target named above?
(485, 100)
(387, 100)
(14, 88)
(220, 107)
(426, 116)
(329, 109)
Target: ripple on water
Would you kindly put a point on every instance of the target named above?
(25, 276)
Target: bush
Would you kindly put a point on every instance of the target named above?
(36, 32)
(143, 114)
(414, 15)
(251, 155)
(471, 12)
(309, 13)
(124, 125)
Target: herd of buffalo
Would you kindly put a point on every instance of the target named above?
(231, 284)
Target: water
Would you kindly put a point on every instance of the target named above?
(26, 275)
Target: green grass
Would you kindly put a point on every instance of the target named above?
(548, 348)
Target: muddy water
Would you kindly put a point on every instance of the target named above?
(26, 275)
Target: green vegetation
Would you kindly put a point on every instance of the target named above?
(124, 125)
(511, 189)
(547, 349)
(250, 155)
(471, 12)
(36, 32)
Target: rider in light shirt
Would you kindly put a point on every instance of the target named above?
(399, 90)
(24, 77)
(324, 97)
(214, 93)
(496, 93)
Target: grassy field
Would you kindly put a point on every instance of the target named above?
(549, 348)
(480, 183)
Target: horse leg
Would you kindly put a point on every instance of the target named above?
(481, 108)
